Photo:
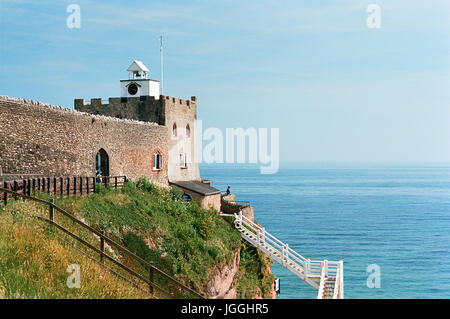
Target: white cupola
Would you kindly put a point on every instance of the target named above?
(138, 83)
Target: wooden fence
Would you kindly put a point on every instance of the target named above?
(62, 186)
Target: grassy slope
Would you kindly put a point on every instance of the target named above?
(33, 262)
(182, 239)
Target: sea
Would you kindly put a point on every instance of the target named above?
(389, 223)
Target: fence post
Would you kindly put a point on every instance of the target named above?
(61, 186)
(54, 186)
(48, 185)
(51, 212)
(81, 185)
(24, 187)
(68, 186)
(87, 185)
(325, 264)
(341, 283)
(308, 267)
(240, 218)
(43, 184)
(15, 189)
(93, 179)
(102, 245)
(151, 279)
(5, 194)
(287, 253)
(115, 182)
(29, 187)
(39, 184)
(258, 240)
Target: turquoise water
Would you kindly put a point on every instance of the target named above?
(395, 217)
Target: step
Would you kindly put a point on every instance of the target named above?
(292, 265)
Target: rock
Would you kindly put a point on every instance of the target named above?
(231, 294)
(221, 284)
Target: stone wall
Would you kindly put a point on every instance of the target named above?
(183, 113)
(36, 138)
(144, 108)
(229, 206)
(205, 201)
(165, 111)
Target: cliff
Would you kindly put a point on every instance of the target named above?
(196, 246)
(230, 282)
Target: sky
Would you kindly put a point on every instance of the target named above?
(336, 89)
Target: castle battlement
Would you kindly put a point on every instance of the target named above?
(176, 100)
(64, 110)
(100, 102)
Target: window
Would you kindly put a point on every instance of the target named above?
(157, 161)
(174, 129)
(183, 160)
(188, 131)
(186, 197)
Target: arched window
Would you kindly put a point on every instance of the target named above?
(174, 129)
(188, 130)
(102, 163)
(157, 161)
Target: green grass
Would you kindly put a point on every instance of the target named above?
(255, 277)
(33, 262)
(182, 239)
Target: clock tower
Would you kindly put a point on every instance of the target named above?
(138, 83)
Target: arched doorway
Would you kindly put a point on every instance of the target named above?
(102, 163)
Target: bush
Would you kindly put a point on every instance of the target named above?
(145, 185)
(184, 240)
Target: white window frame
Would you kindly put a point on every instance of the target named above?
(183, 160)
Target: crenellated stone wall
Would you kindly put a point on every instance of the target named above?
(144, 108)
(37, 138)
(165, 111)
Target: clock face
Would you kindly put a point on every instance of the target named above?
(132, 89)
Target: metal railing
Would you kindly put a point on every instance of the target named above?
(314, 272)
(152, 270)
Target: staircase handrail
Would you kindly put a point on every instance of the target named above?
(322, 283)
(322, 269)
(248, 222)
(338, 292)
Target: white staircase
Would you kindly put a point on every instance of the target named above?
(326, 276)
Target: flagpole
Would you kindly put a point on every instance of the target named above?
(162, 69)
